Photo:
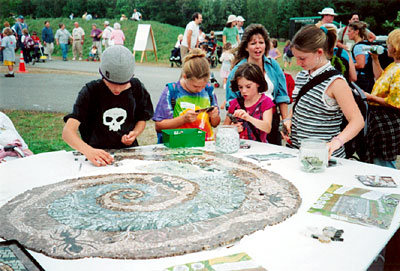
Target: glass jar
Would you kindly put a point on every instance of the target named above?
(313, 155)
(227, 139)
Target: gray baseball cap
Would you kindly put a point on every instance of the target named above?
(117, 65)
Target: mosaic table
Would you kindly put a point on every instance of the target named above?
(175, 201)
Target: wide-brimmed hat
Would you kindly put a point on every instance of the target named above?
(327, 11)
(240, 19)
(117, 64)
(106, 22)
(231, 18)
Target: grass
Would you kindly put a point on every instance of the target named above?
(42, 130)
(165, 35)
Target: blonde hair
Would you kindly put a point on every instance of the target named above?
(227, 46)
(7, 31)
(195, 65)
(25, 31)
(310, 38)
(394, 40)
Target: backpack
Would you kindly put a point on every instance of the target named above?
(356, 144)
(289, 53)
(173, 92)
(340, 63)
(367, 70)
(29, 43)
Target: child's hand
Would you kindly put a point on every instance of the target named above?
(333, 146)
(214, 113)
(242, 114)
(239, 126)
(129, 138)
(286, 130)
(98, 157)
(190, 116)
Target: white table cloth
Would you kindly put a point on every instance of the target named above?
(286, 246)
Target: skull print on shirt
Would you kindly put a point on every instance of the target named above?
(114, 118)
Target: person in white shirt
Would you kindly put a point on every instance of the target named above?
(9, 136)
(78, 37)
(191, 35)
(136, 16)
(239, 24)
(106, 35)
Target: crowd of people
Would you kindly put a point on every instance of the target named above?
(257, 93)
(34, 46)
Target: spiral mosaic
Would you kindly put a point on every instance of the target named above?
(182, 200)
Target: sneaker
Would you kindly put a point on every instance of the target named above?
(9, 75)
(73, 59)
(66, 59)
(80, 58)
(50, 59)
(33, 62)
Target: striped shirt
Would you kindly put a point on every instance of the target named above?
(316, 114)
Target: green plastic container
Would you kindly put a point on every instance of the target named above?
(182, 138)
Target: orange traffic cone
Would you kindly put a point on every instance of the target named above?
(22, 64)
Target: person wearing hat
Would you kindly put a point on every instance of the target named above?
(106, 35)
(110, 113)
(239, 25)
(191, 35)
(123, 17)
(230, 33)
(17, 27)
(328, 15)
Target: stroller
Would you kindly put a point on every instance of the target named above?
(38, 53)
(212, 59)
(93, 54)
(175, 57)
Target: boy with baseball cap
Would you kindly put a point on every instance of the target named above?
(110, 112)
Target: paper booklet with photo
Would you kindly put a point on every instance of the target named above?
(376, 180)
(357, 205)
(240, 261)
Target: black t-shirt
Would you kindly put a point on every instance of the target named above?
(106, 117)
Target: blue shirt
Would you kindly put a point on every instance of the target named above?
(47, 35)
(361, 49)
(274, 73)
(18, 28)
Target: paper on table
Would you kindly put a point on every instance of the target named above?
(357, 205)
(240, 261)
